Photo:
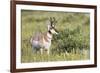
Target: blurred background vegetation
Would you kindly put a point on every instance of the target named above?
(72, 42)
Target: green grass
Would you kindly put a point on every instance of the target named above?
(54, 57)
(72, 43)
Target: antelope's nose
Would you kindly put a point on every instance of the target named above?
(57, 33)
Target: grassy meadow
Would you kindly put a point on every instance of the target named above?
(72, 42)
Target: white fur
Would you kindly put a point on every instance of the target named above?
(53, 31)
(46, 44)
(49, 36)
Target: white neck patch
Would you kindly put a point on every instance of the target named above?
(49, 35)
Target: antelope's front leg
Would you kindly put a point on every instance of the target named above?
(48, 51)
(41, 50)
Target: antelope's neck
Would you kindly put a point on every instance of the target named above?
(49, 35)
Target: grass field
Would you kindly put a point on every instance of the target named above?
(72, 43)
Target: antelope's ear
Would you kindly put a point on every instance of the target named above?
(49, 26)
(54, 24)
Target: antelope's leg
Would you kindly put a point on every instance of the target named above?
(48, 51)
(41, 50)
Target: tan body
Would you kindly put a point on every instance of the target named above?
(42, 41)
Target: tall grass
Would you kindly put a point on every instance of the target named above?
(72, 42)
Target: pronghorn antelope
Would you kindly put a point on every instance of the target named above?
(42, 41)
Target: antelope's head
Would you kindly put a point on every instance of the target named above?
(51, 26)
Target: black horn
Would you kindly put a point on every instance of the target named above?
(54, 21)
(51, 21)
